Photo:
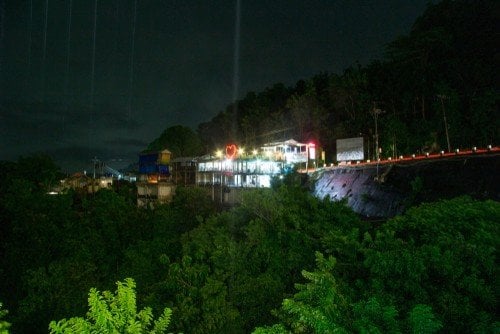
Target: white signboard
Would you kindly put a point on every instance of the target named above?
(350, 149)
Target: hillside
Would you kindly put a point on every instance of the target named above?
(408, 183)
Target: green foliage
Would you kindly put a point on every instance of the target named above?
(422, 320)
(180, 140)
(4, 325)
(275, 329)
(430, 270)
(192, 205)
(320, 305)
(40, 170)
(416, 192)
(442, 255)
(372, 317)
(240, 264)
(114, 313)
(433, 269)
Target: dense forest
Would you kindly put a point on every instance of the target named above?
(282, 261)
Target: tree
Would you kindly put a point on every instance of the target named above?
(4, 325)
(432, 269)
(442, 255)
(114, 313)
(239, 265)
(180, 140)
(320, 304)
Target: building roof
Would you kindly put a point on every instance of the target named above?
(289, 142)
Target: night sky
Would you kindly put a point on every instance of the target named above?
(75, 92)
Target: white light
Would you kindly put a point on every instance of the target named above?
(312, 151)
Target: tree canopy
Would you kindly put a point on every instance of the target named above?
(432, 269)
(114, 313)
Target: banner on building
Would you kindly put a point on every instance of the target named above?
(350, 149)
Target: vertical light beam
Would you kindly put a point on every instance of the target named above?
(91, 107)
(236, 65)
(68, 56)
(131, 67)
(68, 45)
(44, 52)
(30, 24)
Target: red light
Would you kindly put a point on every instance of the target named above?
(231, 151)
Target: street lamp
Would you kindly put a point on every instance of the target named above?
(375, 112)
(218, 154)
(441, 97)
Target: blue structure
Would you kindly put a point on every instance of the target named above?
(155, 163)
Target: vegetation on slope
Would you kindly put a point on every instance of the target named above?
(229, 272)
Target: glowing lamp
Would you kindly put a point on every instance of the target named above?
(312, 151)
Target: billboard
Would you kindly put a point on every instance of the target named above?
(350, 149)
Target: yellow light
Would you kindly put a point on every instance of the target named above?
(241, 151)
(254, 152)
(218, 153)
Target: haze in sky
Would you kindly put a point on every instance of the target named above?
(92, 78)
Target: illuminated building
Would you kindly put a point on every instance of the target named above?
(227, 172)
(237, 169)
(154, 184)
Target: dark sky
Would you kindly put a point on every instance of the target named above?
(74, 92)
